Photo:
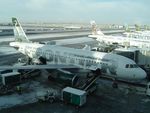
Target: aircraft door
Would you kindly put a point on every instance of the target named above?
(113, 67)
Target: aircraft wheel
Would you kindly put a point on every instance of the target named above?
(51, 100)
(50, 78)
(115, 85)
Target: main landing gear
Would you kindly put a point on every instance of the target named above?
(115, 84)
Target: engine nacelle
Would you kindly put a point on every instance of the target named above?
(42, 60)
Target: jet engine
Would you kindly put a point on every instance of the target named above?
(42, 60)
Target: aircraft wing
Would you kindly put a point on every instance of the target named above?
(49, 66)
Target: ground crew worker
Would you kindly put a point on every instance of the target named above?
(19, 90)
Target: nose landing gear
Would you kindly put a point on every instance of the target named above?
(115, 84)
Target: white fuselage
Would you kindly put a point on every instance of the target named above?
(110, 64)
(139, 35)
(126, 41)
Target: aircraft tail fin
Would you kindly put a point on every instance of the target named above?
(126, 27)
(95, 30)
(137, 27)
(19, 33)
(146, 27)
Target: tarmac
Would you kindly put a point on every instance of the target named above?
(104, 100)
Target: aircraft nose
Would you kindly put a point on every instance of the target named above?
(140, 74)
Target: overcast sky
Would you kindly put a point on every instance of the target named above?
(102, 11)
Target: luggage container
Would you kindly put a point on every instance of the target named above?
(64, 77)
(10, 78)
(74, 96)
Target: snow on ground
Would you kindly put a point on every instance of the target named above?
(25, 98)
(7, 51)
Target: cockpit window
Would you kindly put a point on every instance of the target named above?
(135, 66)
(131, 66)
(127, 65)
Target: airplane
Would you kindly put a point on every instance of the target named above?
(51, 56)
(144, 35)
(138, 33)
(120, 40)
